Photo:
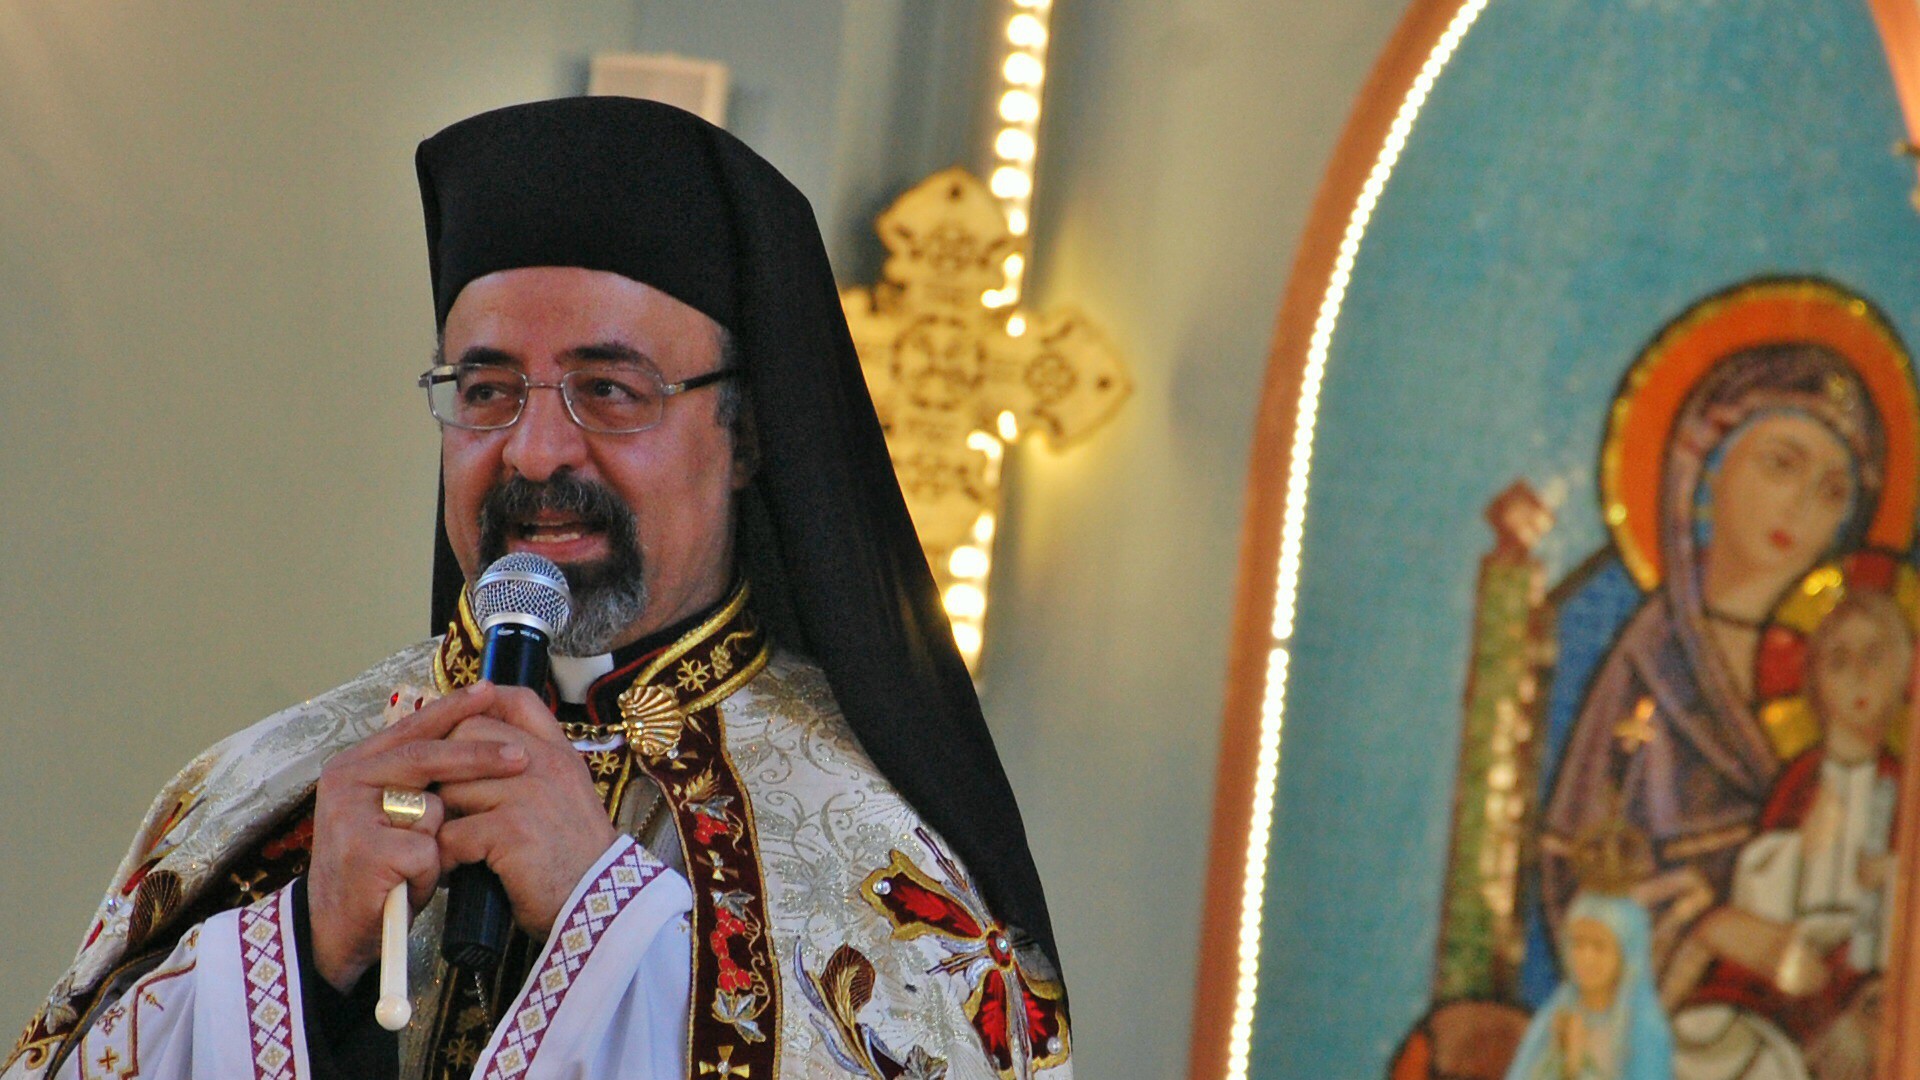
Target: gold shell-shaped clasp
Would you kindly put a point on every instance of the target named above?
(653, 719)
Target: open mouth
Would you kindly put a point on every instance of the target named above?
(574, 522)
(554, 532)
(547, 529)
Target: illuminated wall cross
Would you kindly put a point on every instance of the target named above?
(958, 371)
(955, 381)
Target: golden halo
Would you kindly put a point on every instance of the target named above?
(1762, 312)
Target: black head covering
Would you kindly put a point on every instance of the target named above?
(660, 196)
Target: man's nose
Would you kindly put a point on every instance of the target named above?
(545, 439)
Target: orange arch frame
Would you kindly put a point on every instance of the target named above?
(1366, 131)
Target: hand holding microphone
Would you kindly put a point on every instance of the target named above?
(363, 847)
(516, 846)
(501, 786)
(520, 602)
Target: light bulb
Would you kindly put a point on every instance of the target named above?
(967, 561)
(983, 529)
(1019, 106)
(1014, 145)
(1023, 69)
(1010, 183)
(1026, 31)
(967, 637)
(966, 601)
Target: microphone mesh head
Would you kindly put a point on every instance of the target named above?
(525, 585)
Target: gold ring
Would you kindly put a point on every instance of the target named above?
(403, 806)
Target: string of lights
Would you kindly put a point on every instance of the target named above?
(1016, 141)
(1293, 529)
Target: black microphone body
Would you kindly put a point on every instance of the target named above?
(478, 914)
(522, 600)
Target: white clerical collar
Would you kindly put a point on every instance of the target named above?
(573, 674)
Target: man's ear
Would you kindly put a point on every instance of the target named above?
(746, 447)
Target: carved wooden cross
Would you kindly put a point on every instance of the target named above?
(954, 380)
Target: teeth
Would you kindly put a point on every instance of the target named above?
(552, 534)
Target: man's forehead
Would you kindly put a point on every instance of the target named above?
(599, 352)
(575, 293)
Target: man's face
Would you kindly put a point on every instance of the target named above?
(677, 478)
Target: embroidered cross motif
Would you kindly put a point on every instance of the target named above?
(250, 886)
(694, 675)
(725, 1069)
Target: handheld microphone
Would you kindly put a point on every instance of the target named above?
(520, 602)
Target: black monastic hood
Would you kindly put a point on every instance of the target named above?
(658, 195)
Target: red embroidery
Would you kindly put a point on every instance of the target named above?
(299, 838)
(981, 951)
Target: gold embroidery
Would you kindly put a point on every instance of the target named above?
(252, 888)
(693, 676)
(725, 1069)
(654, 719)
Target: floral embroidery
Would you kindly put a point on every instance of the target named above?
(1010, 1008)
(694, 676)
(840, 991)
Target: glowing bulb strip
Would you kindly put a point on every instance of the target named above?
(1293, 528)
(1023, 68)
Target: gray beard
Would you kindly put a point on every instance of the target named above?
(609, 595)
(601, 611)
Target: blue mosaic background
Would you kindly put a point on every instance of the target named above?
(1583, 171)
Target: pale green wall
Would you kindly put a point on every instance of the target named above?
(216, 483)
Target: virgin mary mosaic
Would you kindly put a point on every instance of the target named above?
(1672, 840)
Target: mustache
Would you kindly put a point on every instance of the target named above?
(518, 500)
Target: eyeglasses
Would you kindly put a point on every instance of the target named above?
(610, 399)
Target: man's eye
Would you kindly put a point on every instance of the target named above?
(611, 391)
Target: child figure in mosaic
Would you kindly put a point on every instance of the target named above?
(1804, 935)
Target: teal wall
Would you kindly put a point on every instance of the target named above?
(213, 299)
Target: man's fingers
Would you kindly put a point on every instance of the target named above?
(430, 820)
(475, 797)
(486, 729)
(524, 709)
(420, 764)
(465, 840)
(414, 857)
(434, 719)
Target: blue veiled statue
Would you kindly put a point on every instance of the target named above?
(1604, 1022)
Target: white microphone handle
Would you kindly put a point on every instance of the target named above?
(394, 1010)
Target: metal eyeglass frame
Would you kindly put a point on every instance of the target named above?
(443, 373)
